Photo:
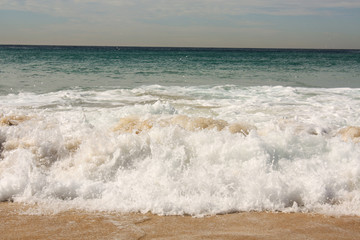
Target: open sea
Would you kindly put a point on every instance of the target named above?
(177, 131)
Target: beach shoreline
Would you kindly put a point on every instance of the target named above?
(19, 221)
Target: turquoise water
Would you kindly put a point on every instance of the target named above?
(44, 69)
(180, 131)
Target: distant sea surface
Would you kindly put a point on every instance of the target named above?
(50, 68)
(180, 130)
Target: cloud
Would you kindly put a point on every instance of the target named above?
(181, 22)
(164, 8)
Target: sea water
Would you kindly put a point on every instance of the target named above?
(180, 130)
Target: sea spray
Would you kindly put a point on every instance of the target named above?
(70, 155)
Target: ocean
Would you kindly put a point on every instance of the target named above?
(174, 131)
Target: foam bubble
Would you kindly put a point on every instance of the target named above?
(250, 150)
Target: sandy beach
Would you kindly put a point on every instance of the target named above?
(19, 222)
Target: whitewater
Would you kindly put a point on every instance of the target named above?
(90, 150)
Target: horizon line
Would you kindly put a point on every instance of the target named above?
(173, 47)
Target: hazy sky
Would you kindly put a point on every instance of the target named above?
(195, 23)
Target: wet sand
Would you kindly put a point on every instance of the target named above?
(18, 221)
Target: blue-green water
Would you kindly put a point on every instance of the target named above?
(180, 130)
(47, 68)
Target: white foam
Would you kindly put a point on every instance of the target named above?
(292, 160)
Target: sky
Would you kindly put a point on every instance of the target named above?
(183, 23)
